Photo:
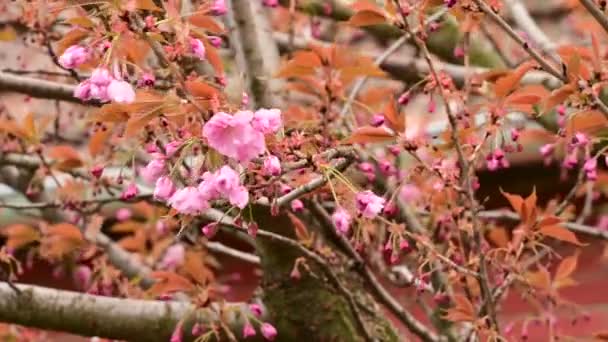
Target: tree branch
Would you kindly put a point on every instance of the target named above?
(90, 315)
(37, 88)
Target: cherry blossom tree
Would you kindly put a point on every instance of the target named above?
(338, 147)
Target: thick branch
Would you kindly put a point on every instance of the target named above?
(89, 315)
(37, 88)
(260, 51)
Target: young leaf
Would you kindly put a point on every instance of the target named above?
(560, 233)
(18, 235)
(147, 5)
(516, 201)
(369, 134)
(567, 267)
(366, 18)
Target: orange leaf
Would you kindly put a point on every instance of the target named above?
(558, 96)
(506, 84)
(394, 118)
(567, 267)
(99, 141)
(201, 89)
(213, 57)
(540, 279)
(529, 206)
(549, 221)
(69, 39)
(589, 122)
(596, 59)
(369, 134)
(206, 22)
(560, 233)
(168, 282)
(134, 243)
(195, 267)
(463, 310)
(299, 227)
(66, 157)
(367, 18)
(18, 235)
(516, 202)
(66, 231)
(147, 5)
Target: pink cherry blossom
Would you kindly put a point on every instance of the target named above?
(121, 92)
(174, 257)
(226, 183)
(272, 166)
(234, 136)
(369, 204)
(164, 188)
(198, 48)
(268, 331)
(267, 121)
(151, 172)
(83, 91)
(188, 201)
(172, 147)
(248, 330)
(341, 219)
(73, 56)
(98, 84)
(409, 193)
(219, 7)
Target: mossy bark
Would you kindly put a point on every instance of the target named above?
(310, 307)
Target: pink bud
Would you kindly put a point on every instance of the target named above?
(164, 188)
(297, 205)
(252, 229)
(377, 120)
(130, 192)
(256, 309)
(547, 149)
(515, 133)
(215, 41)
(404, 99)
(172, 147)
(271, 3)
(561, 110)
(97, 170)
(210, 229)
(177, 333)
(268, 331)
(248, 330)
(458, 52)
(272, 166)
(123, 214)
(219, 7)
(147, 80)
